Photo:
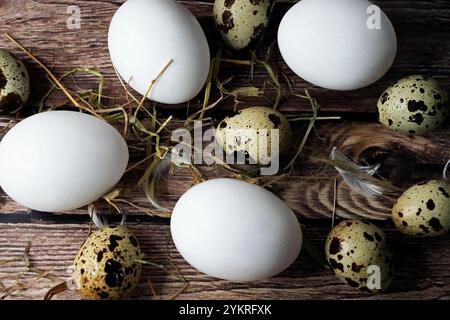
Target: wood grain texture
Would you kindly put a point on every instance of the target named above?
(423, 29)
(54, 247)
(311, 194)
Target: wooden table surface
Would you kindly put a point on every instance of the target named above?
(422, 266)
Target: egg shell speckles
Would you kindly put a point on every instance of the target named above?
(424, 210)
(238, 133)
(415, 104)
(14, 83)
(105, 265)
(241, 22)
(353, 246)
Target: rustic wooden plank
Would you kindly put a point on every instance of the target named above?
(421, 267)
(406, 160)
(423, 29)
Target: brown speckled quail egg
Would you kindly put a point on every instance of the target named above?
(424, 210)
(106, 265)
(14, 83)
(241, 22)
(415, 104)
(251, 129)
(359, 254)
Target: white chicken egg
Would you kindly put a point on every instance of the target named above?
(61, 160)
(338, 45)
(236, 231)
(144, 35)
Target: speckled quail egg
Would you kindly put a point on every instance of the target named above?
(106, 265)
(415, 104)
(359, 254)
(424, 209)
(241, 22)
(14, 83)
(250, 132)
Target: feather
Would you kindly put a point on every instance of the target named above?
(124, 219)
(444, 174)
(98, 220)
(360, 178)
(162, 169)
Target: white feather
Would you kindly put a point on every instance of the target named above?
(98, 220)
(351, 173)
(444, 174)
(161, 170)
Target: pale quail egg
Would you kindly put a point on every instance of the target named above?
(358, 254)
(241, 22)
(415, 104)
(424, 210)
(251, 132)
(106, 265)
(14, 83)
